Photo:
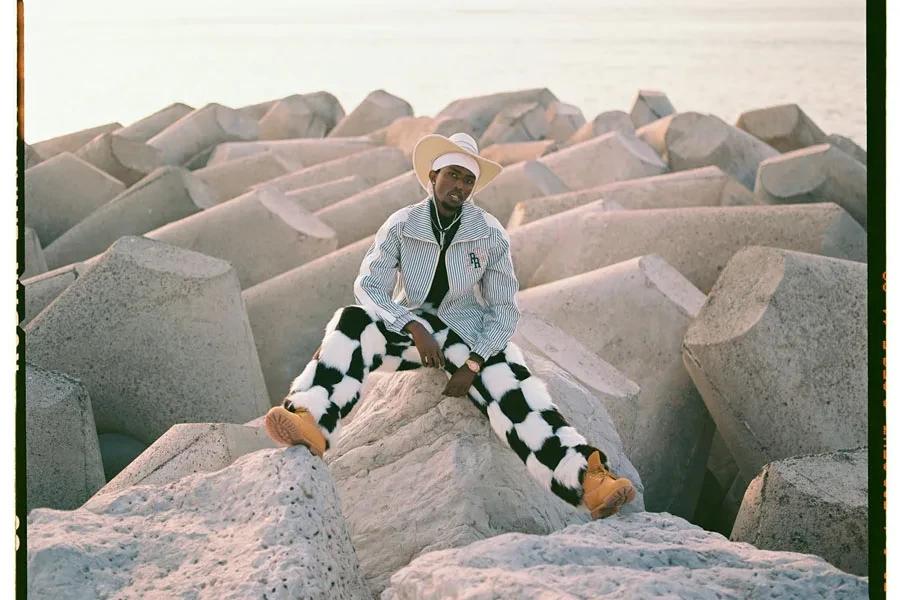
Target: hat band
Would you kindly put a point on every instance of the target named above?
(458, 159)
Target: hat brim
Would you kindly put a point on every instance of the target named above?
(433, 145)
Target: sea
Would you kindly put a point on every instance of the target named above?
(100, 61)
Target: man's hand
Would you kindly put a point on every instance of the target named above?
(460, 383)
(429, 349)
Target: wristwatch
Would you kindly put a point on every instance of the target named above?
(473, 366)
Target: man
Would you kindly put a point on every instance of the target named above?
(443, 248)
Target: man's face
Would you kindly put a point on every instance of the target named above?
(452, 185)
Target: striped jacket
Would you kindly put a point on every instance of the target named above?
(478, 256)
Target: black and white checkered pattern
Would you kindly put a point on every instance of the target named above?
(517, 404)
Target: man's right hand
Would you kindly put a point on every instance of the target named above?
(429, 349)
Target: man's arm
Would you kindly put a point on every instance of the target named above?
(498, 288)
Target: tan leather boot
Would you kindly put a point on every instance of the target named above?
(604, 493)
(295, 429)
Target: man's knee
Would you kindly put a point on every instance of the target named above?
(351, 321)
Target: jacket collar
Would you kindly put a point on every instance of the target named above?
(472, 225)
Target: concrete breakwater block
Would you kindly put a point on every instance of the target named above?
(820, 173)
(31, 156)
(149, 126)
(235, 177)
(564, 120)
(63, 467)
(166, 195)
(118, 451)
(257, 111)
(508, 154)
(127, 160)
(785, 127)
(708, 186)
(612, 157)
(691, 140)
(517, 123)
(286, 337)
(317, 197)
(270, 521)
(847, 146)
(529, 179)
(300, 116)
(650, 106)
(71, 142)
(43, 289)
(645, 555)
(473, 486)
(63, 190)
(261, 234)
(35, 261)
(190, 448)
(405, 132)
(307, 152)
(194, 359)
(376, 165)
(782, 375)
(202, 129)
(634, 315)
(605, 122)
(698, 241)
(479, 111)
(378, 109)
(815, 504)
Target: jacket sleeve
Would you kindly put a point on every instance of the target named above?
(498, 288)
(377, 276)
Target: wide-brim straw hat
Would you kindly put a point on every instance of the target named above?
(434, 145)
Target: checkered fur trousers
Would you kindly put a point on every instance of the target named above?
(516, 403)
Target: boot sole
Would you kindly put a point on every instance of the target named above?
(613, 502)
(285, 432)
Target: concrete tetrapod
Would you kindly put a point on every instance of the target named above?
(286, 337)
(521, 181)
(378, 109)
(35, 261)
(848, 146)
(479, 111)
(127, 160)
(815, 504)
(63, 190)
(201, 129)
(650, 106)
(417, 471)
(166, 195)
(42, 289)
(564, 120)
(63, 467)
(820, 173)
(778, 353)
(71, 142)
(605, 122)
(149, 126)
(262, 234)
(509, 154)
(698, 241)
(293, 117)
(31, 156)
(376, 165)
(257, 111)
(634, 316)
(517, 123)
(158, 335)
(708, 186)
(235, 177)
(690, 140)
(270, 521)
(308, 152)
(612, 157)
(405, 132)
(317, 197)
(785, 127)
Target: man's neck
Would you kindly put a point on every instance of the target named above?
(443, 219)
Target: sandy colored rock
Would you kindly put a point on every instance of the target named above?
(815, 504)
(615, 156)
(317, 197)
(298, 116)
(71, 142)
(309, 152)
(235, 177)
(257, 111)
(376, 165)
(605, 122)
(63, 190)
(201, 129)
(698, 241)
(286, 337)
(195, 360)
(776, 353)
(472, 487)
(691, 140)
(634, 315)
(35, 262)
(261, 234)
(642, 556)
(524, 122)
(521, 181)
(378, 109)
(31, 156)
(62, 456)
(564, 120)
(166, 195)
(124, 159)
(42, 289)
(149, 126)
(405, 132)
(118, 451)
(785, 127)
(190, 448)
(479, 111)
(650, 106)
(267, 526)
(820, 173)
(508, 154)
(847, 146)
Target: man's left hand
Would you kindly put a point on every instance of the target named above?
(460, 382)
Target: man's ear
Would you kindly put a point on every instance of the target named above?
(432, 175)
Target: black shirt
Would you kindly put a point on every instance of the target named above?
(440, 285)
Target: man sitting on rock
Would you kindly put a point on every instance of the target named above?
(442, 248)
